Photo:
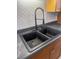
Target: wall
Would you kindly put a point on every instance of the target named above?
(25, 13)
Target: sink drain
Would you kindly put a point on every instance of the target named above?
(34, 42)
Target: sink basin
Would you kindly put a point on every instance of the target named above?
(33, 39)
(50, 32)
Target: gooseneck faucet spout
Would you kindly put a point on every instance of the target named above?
(36, 16)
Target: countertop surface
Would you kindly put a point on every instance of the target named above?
(23, 53)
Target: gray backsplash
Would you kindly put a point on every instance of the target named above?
(25, 13)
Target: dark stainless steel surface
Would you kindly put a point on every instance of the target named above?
(23, 51)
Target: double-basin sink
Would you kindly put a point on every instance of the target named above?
(36, 38)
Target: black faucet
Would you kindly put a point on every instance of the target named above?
(36, 16)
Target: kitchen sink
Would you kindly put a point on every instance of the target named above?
(50, 32)
(34, 39)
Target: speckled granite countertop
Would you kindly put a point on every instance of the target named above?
(22, 52)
